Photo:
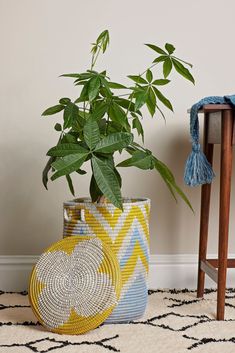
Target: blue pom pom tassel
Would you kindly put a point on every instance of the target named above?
(198, 170)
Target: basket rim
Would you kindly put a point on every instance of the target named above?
(127, 201)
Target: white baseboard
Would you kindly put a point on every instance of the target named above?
(15, 271)
(166, 271)
(180, 271)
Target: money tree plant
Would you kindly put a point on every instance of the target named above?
(103, 119)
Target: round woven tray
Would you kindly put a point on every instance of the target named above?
(75, 285)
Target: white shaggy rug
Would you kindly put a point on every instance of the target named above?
(175, 321)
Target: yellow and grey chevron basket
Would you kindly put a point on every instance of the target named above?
(127, 233)
(75, 285)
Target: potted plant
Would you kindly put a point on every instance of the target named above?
(102, 121)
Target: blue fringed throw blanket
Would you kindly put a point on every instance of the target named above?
(197, 169)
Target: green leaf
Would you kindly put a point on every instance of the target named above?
(131, 150)
(64, 101)
(99, 110)
(139, 159)
(163, 99)
(46, 171)
(70, 184)
(140, 99)
(103, 40)
(157, 49)
(161, 112)
(69, 138)
(65, 149)
(94, 49)
(161, 82)
(119, 178)
(118, 115)
(136, 124)
(84, 94)
(70, 114)
(103, 126)
(84, 76)
(127, 104)
(105, 90)
(164, 171)
(68, 164)
(182, 70)
(103, 73)
(58, 127)
(160, 58)
(80, 83)
(110, 162)
(151, 102)
(93, 88)
(114, 142)
(71, 75)
(170, 48)
(182, 61)
(138, 79)
(94, 190)
(76, 126)
(182, 195)
(169, 179)
(115, 85)
(167, 67)
(53, 110)
(91, 133)
(48, 166)
(81, 171)
(138, 146)
(108, 159)
(102, 35)
(80, 118)
(84, 115)
(149, 75)
(107, 181)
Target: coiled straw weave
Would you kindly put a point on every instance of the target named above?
(75, 285)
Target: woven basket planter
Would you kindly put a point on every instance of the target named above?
(127, 232)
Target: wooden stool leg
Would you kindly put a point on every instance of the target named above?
(204, 217)
(225, 187)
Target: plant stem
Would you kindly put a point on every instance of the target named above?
(84, 108)
(93, 62)
(107, 126)
(94, 59)
(150, 67)
(102, 199)
(185, 62)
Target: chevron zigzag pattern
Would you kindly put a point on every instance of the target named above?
(127, 233)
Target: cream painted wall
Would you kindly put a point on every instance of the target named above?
(42, 39)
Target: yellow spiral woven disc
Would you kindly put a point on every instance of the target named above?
(75, 285)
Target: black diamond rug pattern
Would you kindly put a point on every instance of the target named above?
(175, 321)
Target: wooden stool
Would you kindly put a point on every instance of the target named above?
(218, 128)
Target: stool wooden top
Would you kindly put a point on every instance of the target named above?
(212, 108)
(213, 113)
(216, 107)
